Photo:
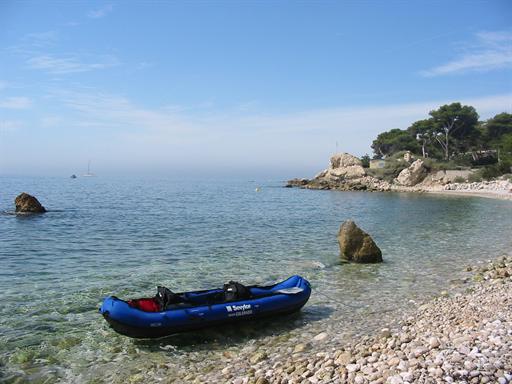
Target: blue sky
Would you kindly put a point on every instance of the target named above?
(235, 88)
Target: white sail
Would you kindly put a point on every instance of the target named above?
(88, 174)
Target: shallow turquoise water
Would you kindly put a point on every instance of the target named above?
(122, 236)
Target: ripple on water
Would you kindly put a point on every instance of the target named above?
(127, 236)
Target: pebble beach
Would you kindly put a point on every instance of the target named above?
(462, 337)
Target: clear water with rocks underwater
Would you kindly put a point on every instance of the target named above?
(126, 236)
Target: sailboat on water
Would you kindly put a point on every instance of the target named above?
(88, 174)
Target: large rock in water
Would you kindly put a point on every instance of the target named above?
(26, 203)
(412, 175)
(356, 245)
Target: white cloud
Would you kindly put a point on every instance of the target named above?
(101, 12)
(302, 139)
(491, 51)
(119, 111)
(70, 64)
(123, 135)
(15, 103)
(111, 111)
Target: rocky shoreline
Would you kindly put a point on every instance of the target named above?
(463, 337)
(346, 173)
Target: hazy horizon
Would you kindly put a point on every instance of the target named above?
(242, 90)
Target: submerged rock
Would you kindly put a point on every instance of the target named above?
(26, 203)
(297, 183)
(257, 357)
(356, 245)
(321, 336)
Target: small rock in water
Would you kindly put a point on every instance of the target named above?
(321, 336)
(257, 357)
(300, 348)
(385, 333)
(318, 264)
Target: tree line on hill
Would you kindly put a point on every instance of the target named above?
(454, 133)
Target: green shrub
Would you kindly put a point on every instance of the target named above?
(475, 177)
(465, 160)
(365, 160)
(492, 171)
(441, 165)
(391, 170)
(459, 179)
(446, 165)
(397, 156)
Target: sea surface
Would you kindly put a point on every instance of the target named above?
(105, 236)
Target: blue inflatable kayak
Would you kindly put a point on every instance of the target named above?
(168, 313)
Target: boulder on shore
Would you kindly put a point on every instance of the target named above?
(412, 175)
(342, 160)
(344, 166)
(356, 245)
(26, 203)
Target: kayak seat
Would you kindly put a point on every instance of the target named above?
(162, 301)
(165, 299)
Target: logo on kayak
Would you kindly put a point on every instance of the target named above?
(239, 310)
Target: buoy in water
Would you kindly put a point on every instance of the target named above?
(257, 189)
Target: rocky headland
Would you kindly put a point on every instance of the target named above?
(346, 173)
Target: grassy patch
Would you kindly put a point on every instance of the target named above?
(391, 170)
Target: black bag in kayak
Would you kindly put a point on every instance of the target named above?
(236, 291)
(166, 297)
